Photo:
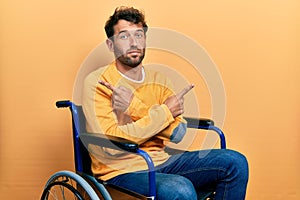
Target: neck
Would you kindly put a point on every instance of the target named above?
(134, 73)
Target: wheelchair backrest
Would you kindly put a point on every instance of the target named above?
(81, 154)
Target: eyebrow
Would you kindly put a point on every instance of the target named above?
(125, 31)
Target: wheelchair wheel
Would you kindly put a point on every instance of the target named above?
(66, 185)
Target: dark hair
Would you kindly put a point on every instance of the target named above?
(126, 13)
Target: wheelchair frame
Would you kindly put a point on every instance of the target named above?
(92, 188)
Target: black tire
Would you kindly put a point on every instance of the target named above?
(65, 185)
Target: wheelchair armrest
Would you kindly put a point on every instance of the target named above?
(207, 124)
(199, 123)
(63, 104)
(108, 142)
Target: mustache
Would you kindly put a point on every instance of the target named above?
(134, 49)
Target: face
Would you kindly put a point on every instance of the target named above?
(128, 44)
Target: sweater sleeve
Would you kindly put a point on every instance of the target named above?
(137, 109)
(174, 132)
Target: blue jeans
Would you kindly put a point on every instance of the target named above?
(186, 175)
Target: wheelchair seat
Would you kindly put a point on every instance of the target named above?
(82, 184)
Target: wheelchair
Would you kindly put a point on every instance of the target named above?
(83, 186)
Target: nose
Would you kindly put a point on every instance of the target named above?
(133, 41)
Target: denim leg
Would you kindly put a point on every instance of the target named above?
(168, 186)
(225, 171)
(185, 175)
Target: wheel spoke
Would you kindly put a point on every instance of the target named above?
(67, 185)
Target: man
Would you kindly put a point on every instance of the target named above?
(125, 99)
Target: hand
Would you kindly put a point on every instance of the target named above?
(121, 96)
(175, 102)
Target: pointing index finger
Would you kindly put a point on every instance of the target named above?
(185, 90)
(107, 85)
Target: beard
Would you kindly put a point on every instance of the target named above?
(131, 61)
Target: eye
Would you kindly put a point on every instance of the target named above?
(139, 35)
(123, 36)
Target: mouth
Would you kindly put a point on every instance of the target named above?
(134, 53)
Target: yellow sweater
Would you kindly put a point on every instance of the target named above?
(150, 125)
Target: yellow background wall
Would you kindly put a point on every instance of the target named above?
(255, 45)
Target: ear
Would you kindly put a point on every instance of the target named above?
(110, 44)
